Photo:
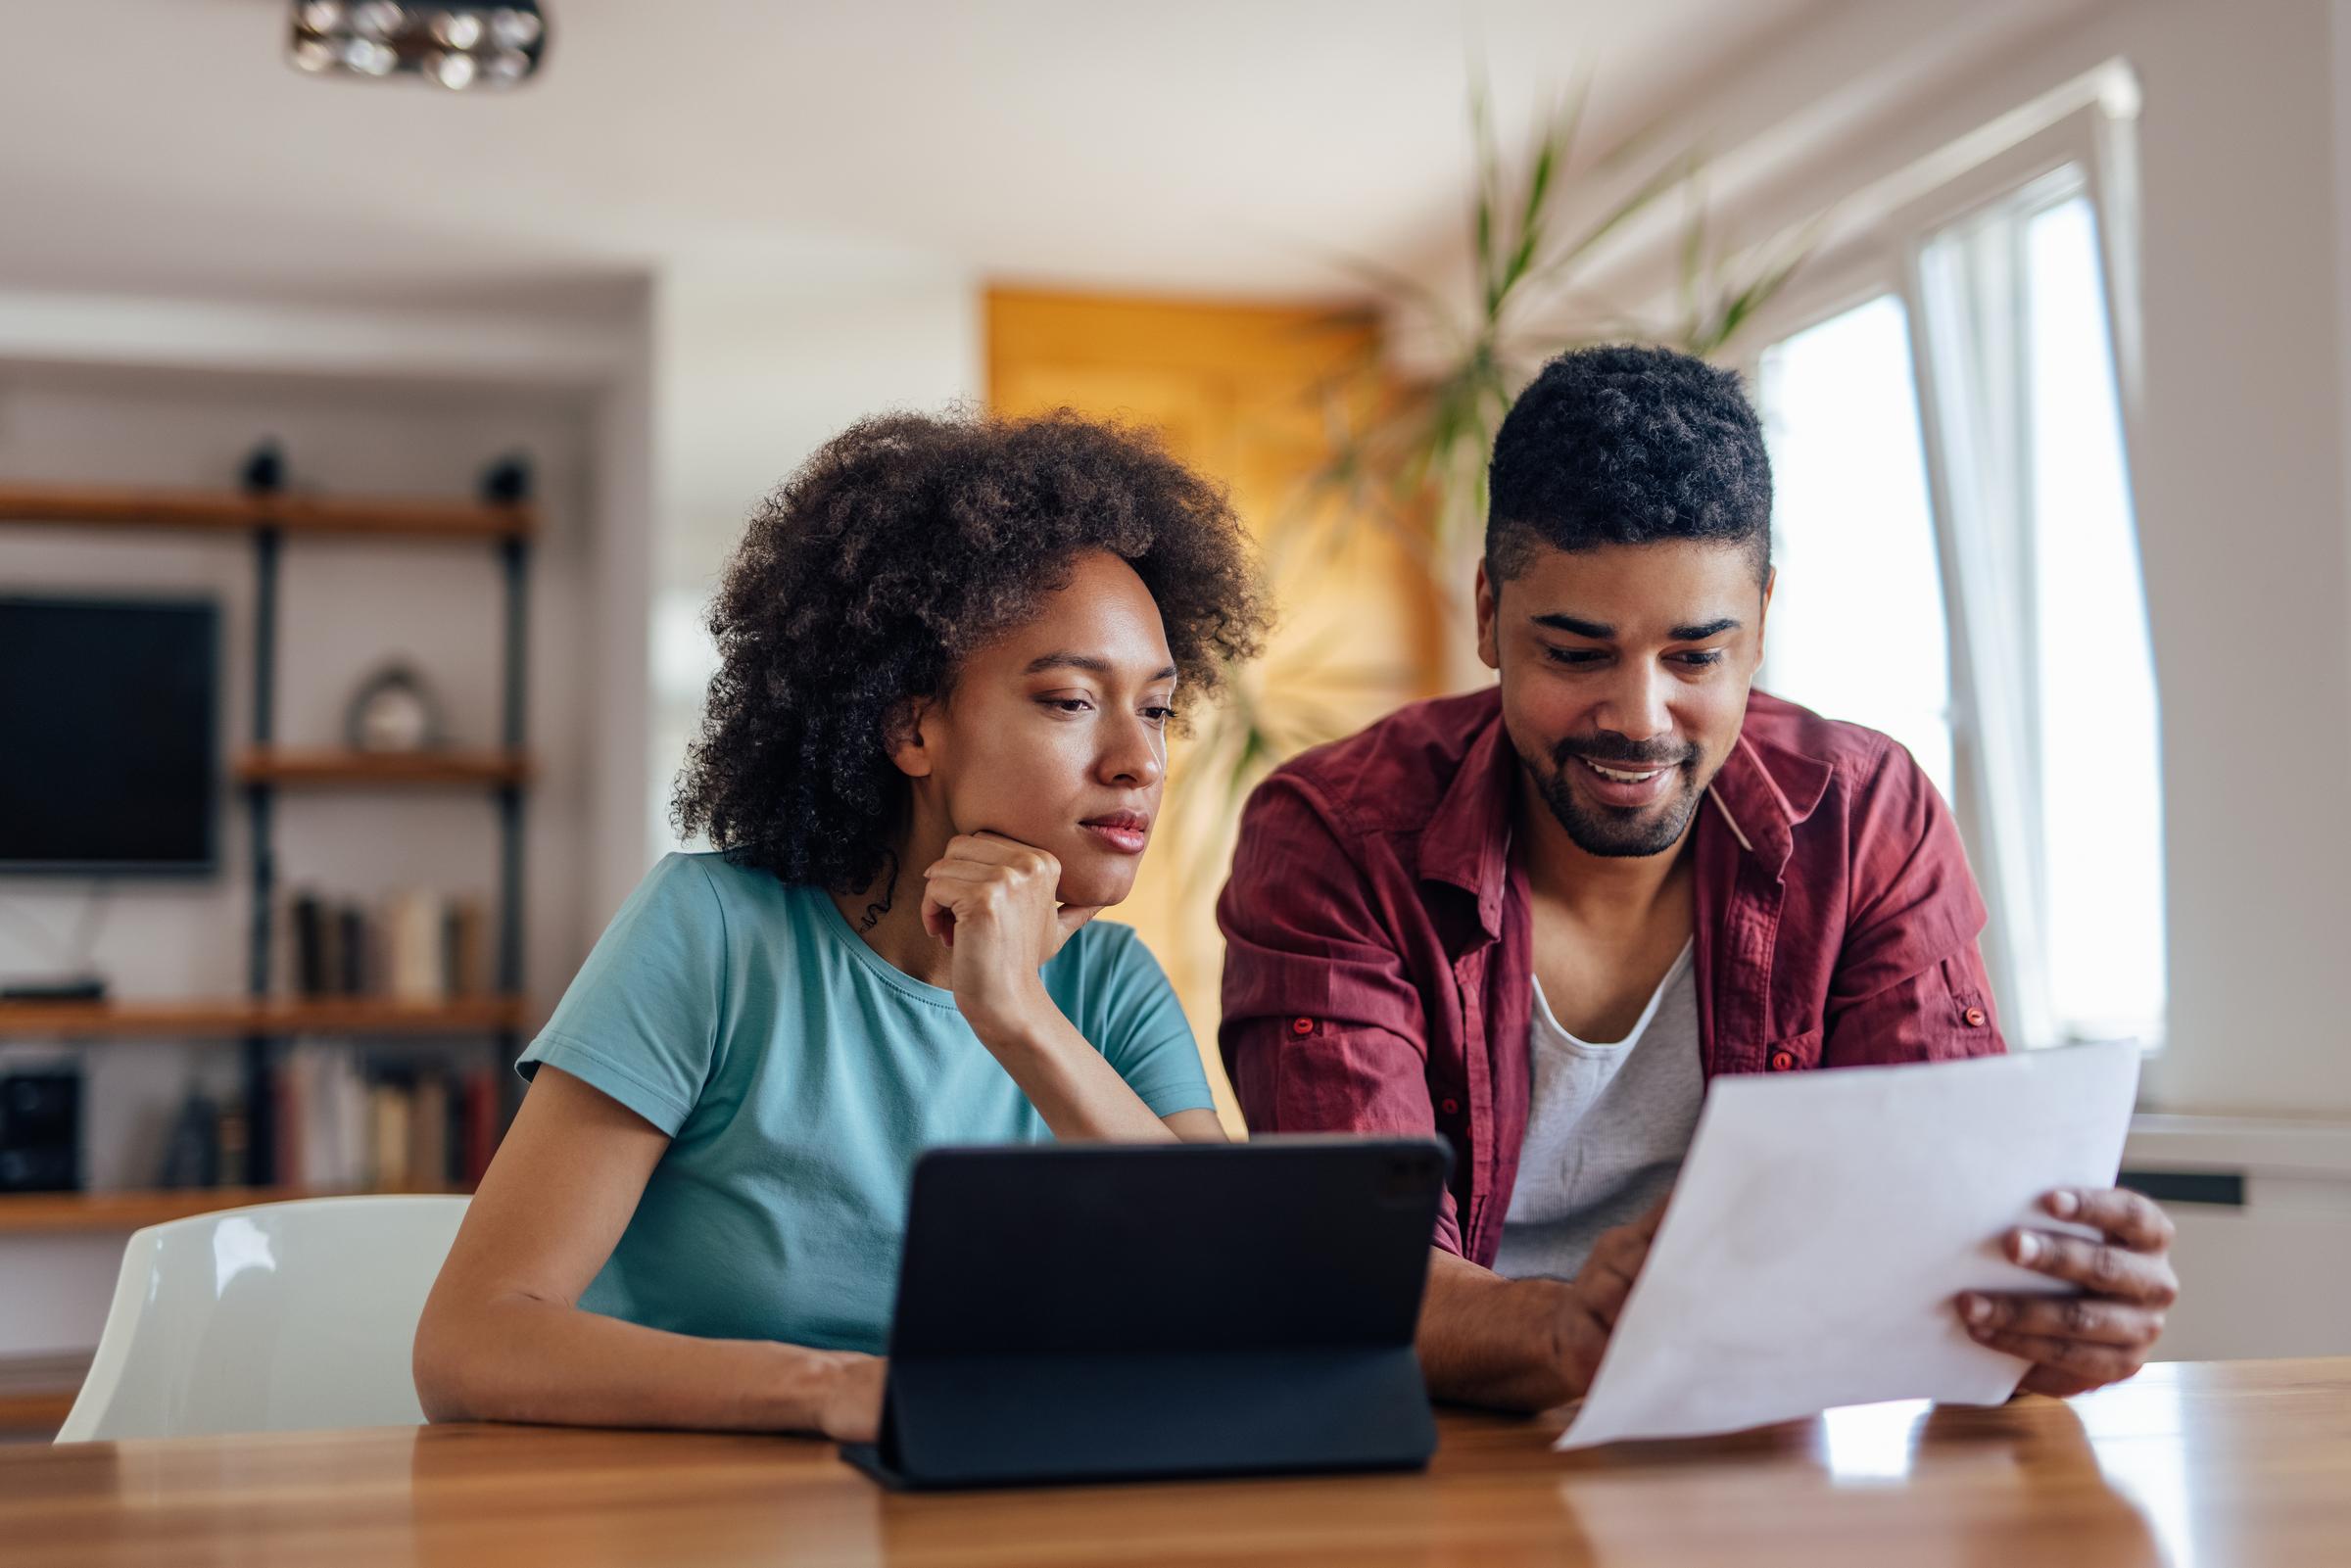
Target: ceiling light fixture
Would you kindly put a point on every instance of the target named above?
(457, 46)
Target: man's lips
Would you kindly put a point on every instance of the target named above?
(1625, 784)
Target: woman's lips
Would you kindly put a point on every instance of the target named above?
(1123, 832)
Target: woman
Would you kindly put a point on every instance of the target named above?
(949, 653)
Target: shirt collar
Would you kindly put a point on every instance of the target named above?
(1761, 794)
(1467, 841)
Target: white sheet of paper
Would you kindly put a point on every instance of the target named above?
(1824, 1221)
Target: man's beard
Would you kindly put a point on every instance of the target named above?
(1618, 832)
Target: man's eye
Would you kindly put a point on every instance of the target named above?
(1574, 656)
(1702, 658)
(1068, 704)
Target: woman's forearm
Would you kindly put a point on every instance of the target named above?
(519, 1358)
(1073, 1086)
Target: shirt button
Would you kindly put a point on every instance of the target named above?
(1302, 1026)
(1782, 1060)
(1450, 1105)
(1975, 1017)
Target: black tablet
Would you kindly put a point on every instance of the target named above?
(1123, 1311)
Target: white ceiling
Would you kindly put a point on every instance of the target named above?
(1209, 146)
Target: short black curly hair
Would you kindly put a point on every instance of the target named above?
(900, 546)
(1627, 444)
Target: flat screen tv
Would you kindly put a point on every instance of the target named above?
(110, 755)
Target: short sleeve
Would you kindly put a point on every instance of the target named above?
(639, 1022)
(1141, 1029)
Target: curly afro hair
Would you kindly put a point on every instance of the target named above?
(900, 546)
(1627, 444)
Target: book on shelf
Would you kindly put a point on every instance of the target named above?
(345, 1120)
(415, 946)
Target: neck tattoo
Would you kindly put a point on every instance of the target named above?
(890, 887)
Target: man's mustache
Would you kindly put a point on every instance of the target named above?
(1622, 755)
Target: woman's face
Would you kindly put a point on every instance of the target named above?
(1055, 734)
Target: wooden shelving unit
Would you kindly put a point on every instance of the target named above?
(60, 1212)
(241, 511)
(265, 514)
(236, 1017)
(369, 770)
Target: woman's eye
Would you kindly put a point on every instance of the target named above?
(1068, 704)
(1159, 715)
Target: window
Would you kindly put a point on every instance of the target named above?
(1969, 582)
(1856, 629)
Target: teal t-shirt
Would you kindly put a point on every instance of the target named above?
(798, 1076)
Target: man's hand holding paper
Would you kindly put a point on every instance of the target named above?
(1780, 1284)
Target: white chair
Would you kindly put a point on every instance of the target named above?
(275, 1318)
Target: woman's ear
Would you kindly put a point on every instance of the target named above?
(904, 736)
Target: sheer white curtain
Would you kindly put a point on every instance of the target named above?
(1994, 621)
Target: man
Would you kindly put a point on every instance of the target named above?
(1537, 918)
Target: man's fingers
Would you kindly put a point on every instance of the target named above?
(2097, 1364)
(2100, 1268)
(1605, 1291)
(2131, 1218)
(2070, 1317)
(2056, 1384)
(1610, 1271)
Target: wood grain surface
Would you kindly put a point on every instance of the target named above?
(2224, 1465)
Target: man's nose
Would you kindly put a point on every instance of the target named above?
(1635, 704)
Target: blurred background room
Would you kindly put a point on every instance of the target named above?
(383, 386)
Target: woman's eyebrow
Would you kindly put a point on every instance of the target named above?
(1092, 663)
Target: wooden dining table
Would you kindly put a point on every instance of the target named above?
(2204, 1465)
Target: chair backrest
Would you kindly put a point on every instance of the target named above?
(273, 1319)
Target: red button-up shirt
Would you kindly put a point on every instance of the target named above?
(1377, 962)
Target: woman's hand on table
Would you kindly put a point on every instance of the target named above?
(850, 1410)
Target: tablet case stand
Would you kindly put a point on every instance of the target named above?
(982, 1421)
(1104, 1312)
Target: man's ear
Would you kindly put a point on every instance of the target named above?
(1489, 607)
(905, 737)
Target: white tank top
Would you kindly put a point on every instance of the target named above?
(1606, 1128)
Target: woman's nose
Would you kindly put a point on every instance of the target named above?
(1138, 755)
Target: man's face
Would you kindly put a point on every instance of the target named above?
(1625, 678)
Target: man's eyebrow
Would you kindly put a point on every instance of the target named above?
(1699, 634)
(1602, 631)
(1597, 631)
(1092, 663)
